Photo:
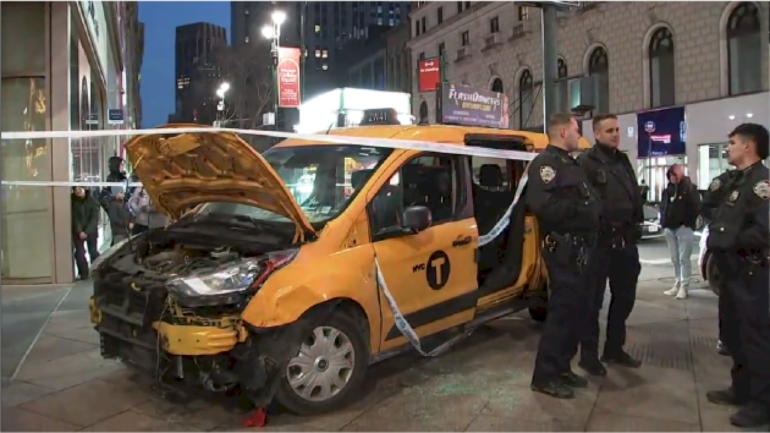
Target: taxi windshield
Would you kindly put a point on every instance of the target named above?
(321, 178)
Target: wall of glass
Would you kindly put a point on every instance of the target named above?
(652, 172)
(26, 211)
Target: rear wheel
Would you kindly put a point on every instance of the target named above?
(713, 276)
(329, 367)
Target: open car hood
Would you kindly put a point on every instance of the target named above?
(182, 171)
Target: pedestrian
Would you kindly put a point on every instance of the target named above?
(679, 209)
(117, 168)
(615, 256)
(121, 219)
(85, 228)
(567, 212)
(738, 205)
(146, 215)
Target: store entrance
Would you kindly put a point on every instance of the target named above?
(652, 172)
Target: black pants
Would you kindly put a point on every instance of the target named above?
(745, 313)
(619, 265)
(567, 305)
(138, 228)
(80, 253)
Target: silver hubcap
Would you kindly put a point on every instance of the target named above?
(323, 366)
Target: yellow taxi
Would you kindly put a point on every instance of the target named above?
(266, 280)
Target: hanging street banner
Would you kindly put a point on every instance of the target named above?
(429, 74)
(461, 105)
(288, 76)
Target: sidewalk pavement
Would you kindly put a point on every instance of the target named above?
(482, 384)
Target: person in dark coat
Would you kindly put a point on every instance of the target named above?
(121, 219)
(85, 228)
(117, 167)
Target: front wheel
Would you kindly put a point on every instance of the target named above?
(329, 367)
(713, 276)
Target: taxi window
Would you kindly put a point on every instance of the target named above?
(432, 181)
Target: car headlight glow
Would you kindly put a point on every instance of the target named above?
(231, 278)
(109, 253)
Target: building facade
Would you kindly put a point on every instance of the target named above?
(326, 28)
(398, 60)
(711, 58)
(62, 70)
(198, 50)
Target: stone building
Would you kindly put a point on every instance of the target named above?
(709, 57)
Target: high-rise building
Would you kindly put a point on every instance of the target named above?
(198, 71)
(327, 26)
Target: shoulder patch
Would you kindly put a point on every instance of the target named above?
(715, 185)
(762, 189)
(547, 173)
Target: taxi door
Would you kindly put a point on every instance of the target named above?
(431, 275)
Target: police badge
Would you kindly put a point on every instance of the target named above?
(762, 189)
(715, 185)
(547, 173)
(734, 196)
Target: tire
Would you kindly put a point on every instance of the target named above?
(713, 275)
(353, 330)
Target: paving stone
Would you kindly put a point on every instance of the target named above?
(651, 401)
(49, 347)
(718, 420)
(15, 419)
(88, 403)
(606, 421)
(67, 371)
(131, 421)
(490, 423)
(20, 392)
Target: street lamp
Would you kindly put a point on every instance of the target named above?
(273, 32)
(221, 91)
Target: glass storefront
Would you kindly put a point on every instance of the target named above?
(652, 172)
(712, 161)
(27, 231)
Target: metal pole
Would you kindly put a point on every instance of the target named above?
(303, 50)
(550, 45)
(276, 39)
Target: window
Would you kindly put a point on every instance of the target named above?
(428, 180)
(526, 98)
(421, 56)
(317, 28)
(424, 112)
(246, 11)
(440, 14)
(246, 39)
(744, 49)
(317, 53)
(497, 85)
(423, 23)
(324, 54)
(662, 71)
(465, 38)
(598, 66)
(322, 180)
(325, 67)
(459, 7)
(494, 25)
(523, 13)
(441, 49)
(417, 28)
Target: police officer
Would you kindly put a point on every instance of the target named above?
(615, 255)
(567, 211)
(737, 205)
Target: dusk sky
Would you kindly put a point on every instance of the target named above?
(160, 21)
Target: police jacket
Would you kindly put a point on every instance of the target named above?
(737, 204)
(612, 176)
(560, 195)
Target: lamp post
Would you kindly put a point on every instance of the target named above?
(221, 91)
(273, 32)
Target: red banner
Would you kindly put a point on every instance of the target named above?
(288, 77)
(429, 74)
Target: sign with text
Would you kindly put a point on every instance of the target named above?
(661, 133)
(429, 74)
(460, 105)
(288, 76)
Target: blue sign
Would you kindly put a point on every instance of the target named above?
(115, 117)
(661, 133)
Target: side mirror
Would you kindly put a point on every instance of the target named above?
(416, 218)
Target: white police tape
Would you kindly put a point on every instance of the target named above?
(403, 325)
(506, 219)
(390, 143)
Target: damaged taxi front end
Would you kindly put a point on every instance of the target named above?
(169, 301)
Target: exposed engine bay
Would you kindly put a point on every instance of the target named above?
(170, 303)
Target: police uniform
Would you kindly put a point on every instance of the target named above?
(737, 204)
(567, 211)
(615, 256)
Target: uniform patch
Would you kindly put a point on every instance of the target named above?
(715, 185)
(734, 196)
(762, 189)
(547, 173)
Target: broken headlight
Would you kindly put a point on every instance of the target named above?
(233, 278)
